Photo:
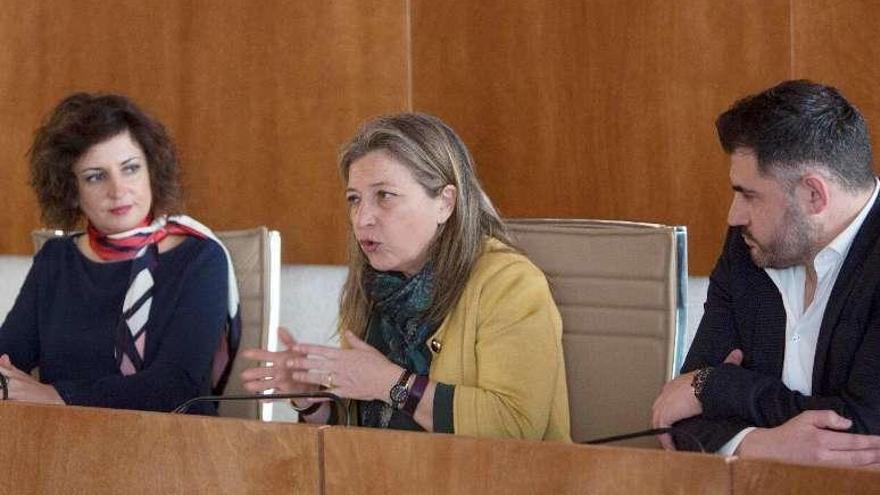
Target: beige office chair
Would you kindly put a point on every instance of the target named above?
(256, 258)
(620, 289)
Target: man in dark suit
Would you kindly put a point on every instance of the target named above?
(786, 361)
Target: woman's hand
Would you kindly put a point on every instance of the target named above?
(360, 372)
(278, 374)
(22, 386)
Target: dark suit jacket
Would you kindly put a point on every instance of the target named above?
(744, 310)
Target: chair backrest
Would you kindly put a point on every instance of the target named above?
(256, 258)
(620, 288)
(42, 235)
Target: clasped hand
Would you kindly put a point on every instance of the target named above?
(22, 386)
(677, 401)
(358, 372)
(810, 438)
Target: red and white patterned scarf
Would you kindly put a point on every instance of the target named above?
(141, 246)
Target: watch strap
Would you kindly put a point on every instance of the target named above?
(415, 394)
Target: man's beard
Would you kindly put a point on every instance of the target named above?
(793, 244)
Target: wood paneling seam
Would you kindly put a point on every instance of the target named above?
(322, 464)
(409, 55)
(791, 39)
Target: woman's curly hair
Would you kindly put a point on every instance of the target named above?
(81, 121)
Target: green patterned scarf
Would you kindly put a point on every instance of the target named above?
(398, 331)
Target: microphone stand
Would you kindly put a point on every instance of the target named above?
(645, 433)
(260, 397)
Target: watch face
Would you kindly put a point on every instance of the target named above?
(398, 394)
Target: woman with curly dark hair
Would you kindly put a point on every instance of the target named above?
(139, 311)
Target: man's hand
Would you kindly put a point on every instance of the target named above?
(808, 438)
(677, 401)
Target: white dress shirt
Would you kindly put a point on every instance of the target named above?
(802, 324)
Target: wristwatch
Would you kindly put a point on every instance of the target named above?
(399, 392)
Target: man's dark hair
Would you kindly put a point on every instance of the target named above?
(797, 124)
(81, 121)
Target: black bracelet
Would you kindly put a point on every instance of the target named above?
(415, 394)
(4, 384)
(701, 377)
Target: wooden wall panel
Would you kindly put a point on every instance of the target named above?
(272, 94)
(259, 96)
(593, 108)
(835, 42)
(603, 108)
(50, 49)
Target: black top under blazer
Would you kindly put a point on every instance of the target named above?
(744, 310)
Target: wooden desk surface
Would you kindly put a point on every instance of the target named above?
(757, 477)
(359, 460)
(65, 449)
(58, 449)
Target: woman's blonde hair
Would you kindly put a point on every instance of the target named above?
(437, 157)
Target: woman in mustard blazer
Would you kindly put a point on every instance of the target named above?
(446, 326)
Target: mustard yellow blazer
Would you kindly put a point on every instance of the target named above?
(501, 346)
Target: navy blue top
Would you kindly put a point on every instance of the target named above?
(65, 316)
